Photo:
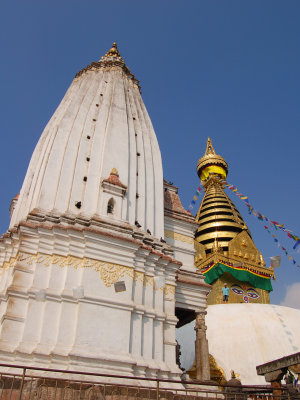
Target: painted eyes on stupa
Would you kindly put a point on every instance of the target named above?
(253, 294)
(245, 292)
(237, 291)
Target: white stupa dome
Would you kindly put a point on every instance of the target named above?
(242, 336)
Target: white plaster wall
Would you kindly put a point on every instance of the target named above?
(183, 241)
(105, 105)
(44, 322)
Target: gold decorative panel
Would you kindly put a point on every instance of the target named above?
(242, 246)
(179, 236)
(239, 292)
(109, 273)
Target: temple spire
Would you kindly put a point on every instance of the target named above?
(84, 184)
(113, 52)
(110, 60)
(224, 241)
(209, 148)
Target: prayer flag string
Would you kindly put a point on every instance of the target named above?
(195, 198)
(281, 247)
(259, 215)
(262, 218)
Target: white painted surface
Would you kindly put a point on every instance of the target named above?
(66, 316)
(183, 243)
(105, 105)
(44, 322)
(242, 336)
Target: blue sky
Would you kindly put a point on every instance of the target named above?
(227, 69)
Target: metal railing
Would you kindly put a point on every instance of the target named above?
(18, 382)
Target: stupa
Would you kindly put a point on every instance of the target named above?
(248, 331)
(96, 270)
(226, 252)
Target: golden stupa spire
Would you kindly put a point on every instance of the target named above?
(218, 218)
(223, 241)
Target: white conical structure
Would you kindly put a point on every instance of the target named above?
(100, 124)
(87, 280)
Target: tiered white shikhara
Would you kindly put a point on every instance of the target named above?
(91, 214)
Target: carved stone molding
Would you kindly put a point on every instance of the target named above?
(109, 273)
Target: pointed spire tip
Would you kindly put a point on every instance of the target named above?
(209, 148)
(113, 52)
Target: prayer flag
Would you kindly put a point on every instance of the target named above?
(275, 261)
(296, 244)
(195, 198)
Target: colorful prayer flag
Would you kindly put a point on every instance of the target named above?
(296, 244)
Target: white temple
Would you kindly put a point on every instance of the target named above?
(98, 262)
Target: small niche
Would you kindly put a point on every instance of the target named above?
(78, 204)
(133, 118)
(85, 178)
(110, 206)
(94, 120)
(137, 196)
(88, 137)
(101, 94)
(88, 159)
(97, 105)
(138, 154)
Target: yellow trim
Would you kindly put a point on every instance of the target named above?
(216, 169)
